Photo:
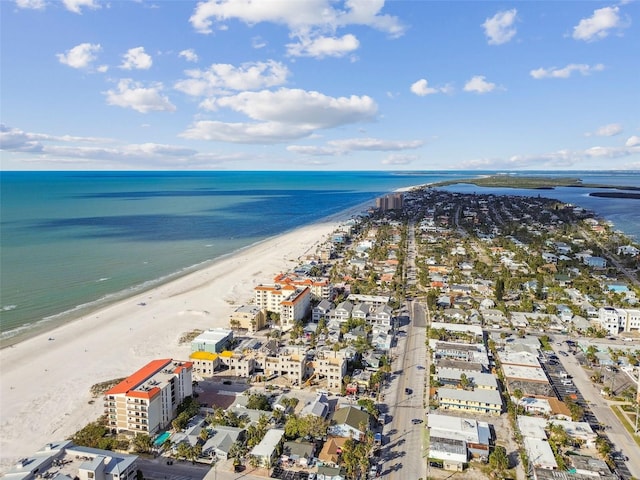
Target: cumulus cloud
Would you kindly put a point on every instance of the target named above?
(422, 88)
(222, 78)
(598, 25)
(81, 56)
(31, 4)
(282, 115)
(565, 72)
(633, 141)
(606, 131)
(134, 95)
(320, 47)
(76, 6)
(312, 23)
(189, 55)
(136, 59)
(479, 84)
(500, 28)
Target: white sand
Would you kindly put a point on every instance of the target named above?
(46, 383)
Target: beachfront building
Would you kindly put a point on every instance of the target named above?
(147, 400)
(616, 320)
(214, 340)
(320, 287)
(248, 317)
(392, 201)
(64, 460)
(292, 303)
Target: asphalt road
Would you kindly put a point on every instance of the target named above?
(403, 450)
(616, 432)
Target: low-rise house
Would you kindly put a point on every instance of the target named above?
(221, 440)
(475, 435)
(451, 376)
(321, 310)
(595, 262)
(265, 452)
(214, 340)
(319, 407)
(350, 422)
(480, 400)
(539, 453)
(298, 453)
(331, 450)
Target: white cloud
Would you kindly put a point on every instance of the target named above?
(345, 146)
(395, 159)
(283, 115)
(76, 6)
(565, 72)
(374, 144)
(312, 23)
(31, 4)
(258, 42)
(80, 56)
(66, 149)
(189, 55)
(134, 95)
(598, 25)
(320, 47)
(136, 59)
(300, 107)
(633, 141)
(313, 150)
(558, 159)
(421, 88)
(606, 131)
(499, 29)
(478, 84)
(222, 78)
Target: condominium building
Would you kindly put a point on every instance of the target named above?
(290, 302)
(616, 320)
(147, 400)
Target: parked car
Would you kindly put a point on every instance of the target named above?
(416, 421)
(408, 391)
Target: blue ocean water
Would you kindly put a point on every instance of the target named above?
(72, 241)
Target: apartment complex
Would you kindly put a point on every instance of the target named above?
(390, 202)
(616, 320)
(147, 400)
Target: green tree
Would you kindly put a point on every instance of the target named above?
(142, 443)
(498, 459)
(258, 401)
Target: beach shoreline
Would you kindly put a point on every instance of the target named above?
(46, 379)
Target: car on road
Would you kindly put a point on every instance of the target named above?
(408, 391)
(169, 462)
(416, 421)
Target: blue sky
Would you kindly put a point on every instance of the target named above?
(319, 85)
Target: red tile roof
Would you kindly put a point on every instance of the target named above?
(132, 381)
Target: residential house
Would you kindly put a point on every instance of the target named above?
(220, 441)
(265, 451)
(350, 422)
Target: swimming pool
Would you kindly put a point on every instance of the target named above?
(161, 439)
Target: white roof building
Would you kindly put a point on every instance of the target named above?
(540, 453)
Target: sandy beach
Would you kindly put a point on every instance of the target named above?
(46, 380)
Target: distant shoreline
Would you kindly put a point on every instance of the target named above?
(537, 183)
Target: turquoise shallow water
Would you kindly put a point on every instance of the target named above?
(71, 241)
